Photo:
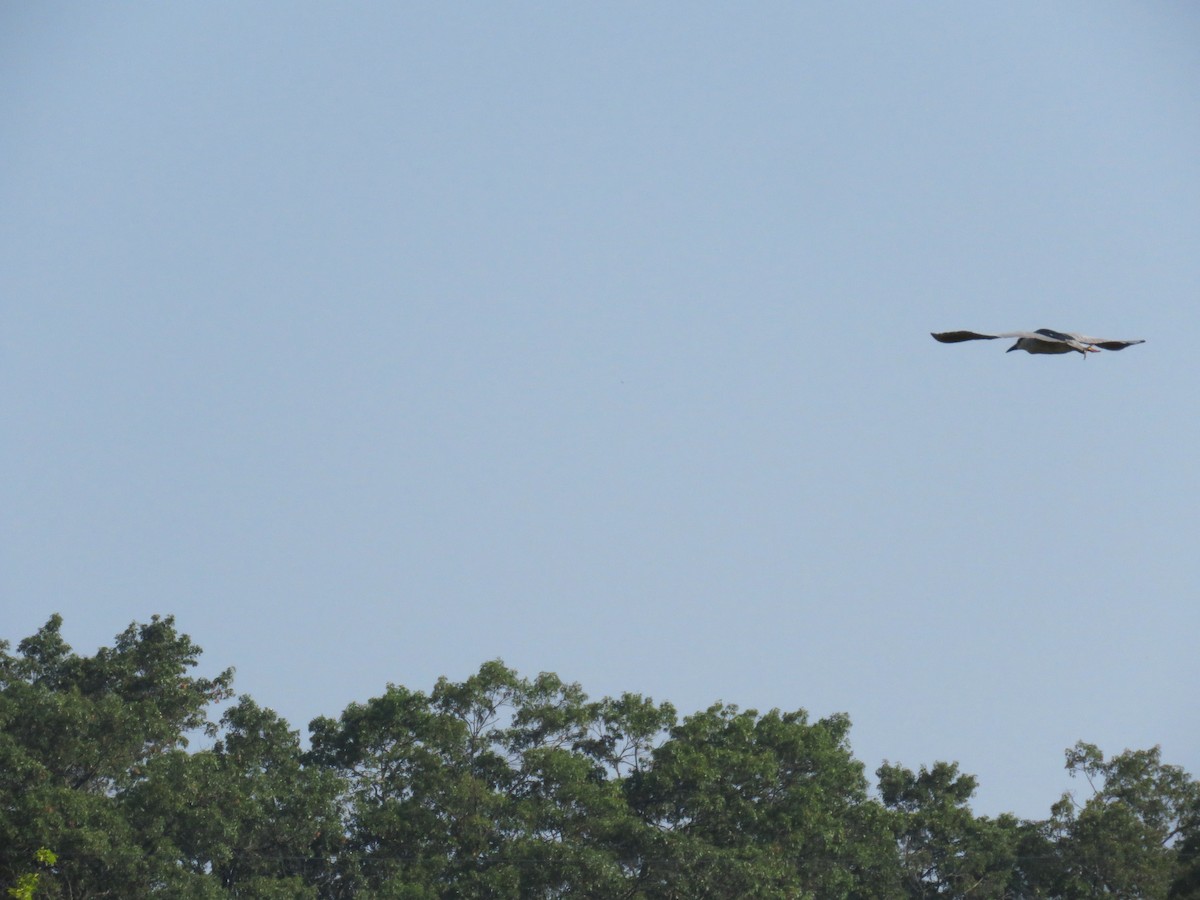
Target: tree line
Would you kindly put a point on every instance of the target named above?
(503, 786)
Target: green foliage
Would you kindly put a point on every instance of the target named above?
(945, 850)
(78, 733)
(25, 887)
(760, 806)
(502, 786)
(498, 786)
(27, 883)
(1123, 838)
(246, 814)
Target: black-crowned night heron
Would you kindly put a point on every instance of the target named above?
(1041, 341)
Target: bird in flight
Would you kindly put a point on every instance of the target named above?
(1044, 340)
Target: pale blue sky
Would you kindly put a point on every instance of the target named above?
(377, 340)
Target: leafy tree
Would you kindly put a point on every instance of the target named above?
(426, 789)
(945, 851)
(505, 787)
(760, 806)
(1187, 882)
(1119, 840)
(493, 787)
(569, 757)
(245, 817)
(78, 731)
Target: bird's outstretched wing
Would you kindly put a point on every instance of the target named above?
(1106, 343)
(953, 337)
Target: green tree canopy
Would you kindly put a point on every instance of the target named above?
(1122, 839)
(501, 786)
(77, 733)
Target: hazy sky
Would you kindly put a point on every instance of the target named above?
(377, 340)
